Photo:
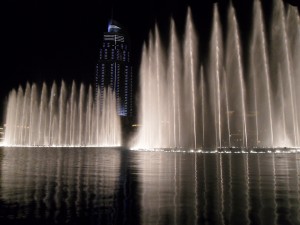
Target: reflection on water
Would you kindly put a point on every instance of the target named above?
(220, 188)
(72, 186)
(117, 186)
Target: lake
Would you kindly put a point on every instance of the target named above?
(120, 186)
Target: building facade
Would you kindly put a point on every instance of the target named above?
(114, 68)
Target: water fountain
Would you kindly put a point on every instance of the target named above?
(234, 99)
(61, 117)
(229, 100)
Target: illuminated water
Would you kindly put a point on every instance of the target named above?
(61, 116)
(232, 95)
(188, 109)
(118, 186)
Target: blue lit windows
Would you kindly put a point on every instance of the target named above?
(114, 70)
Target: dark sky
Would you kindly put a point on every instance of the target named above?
(47, 40)
(50, 39)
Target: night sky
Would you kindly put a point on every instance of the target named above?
(47, 40)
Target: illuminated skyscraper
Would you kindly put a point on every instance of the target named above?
(114, 68)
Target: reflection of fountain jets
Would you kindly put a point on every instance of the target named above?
(297, 159)
(222, 190)
(175, 199)
(230, 192)
(292, 188)
(62, 118)
(220, 187)
(58, 185)
(282, 189)
(275, 187)
(247, 198)
(255, 187)
(287, 188)
(58, 192)
(205, 214)
(164, 195)
(196, 189)
(240, 209)
(253, 191)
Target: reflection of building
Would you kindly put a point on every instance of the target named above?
(114, 68)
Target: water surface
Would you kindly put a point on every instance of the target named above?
(118, 186)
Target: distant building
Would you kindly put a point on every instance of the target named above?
(114, 68)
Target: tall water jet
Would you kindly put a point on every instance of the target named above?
(73, 112)
(235, 73)
(165, 96)
(33, 112)
(293, 34)
(282, 108)
(43, 111)
(62, 114)
(189, 70)
(289, 71)
(61, 118)
(25, 115)
(52, 116)
(158, 77)
(261, 78)
(215, 71)
(81, 113)
(174, 69)
(283, 67)
(202, 87)
(227, 110)
(89, 121)
(240, 94)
